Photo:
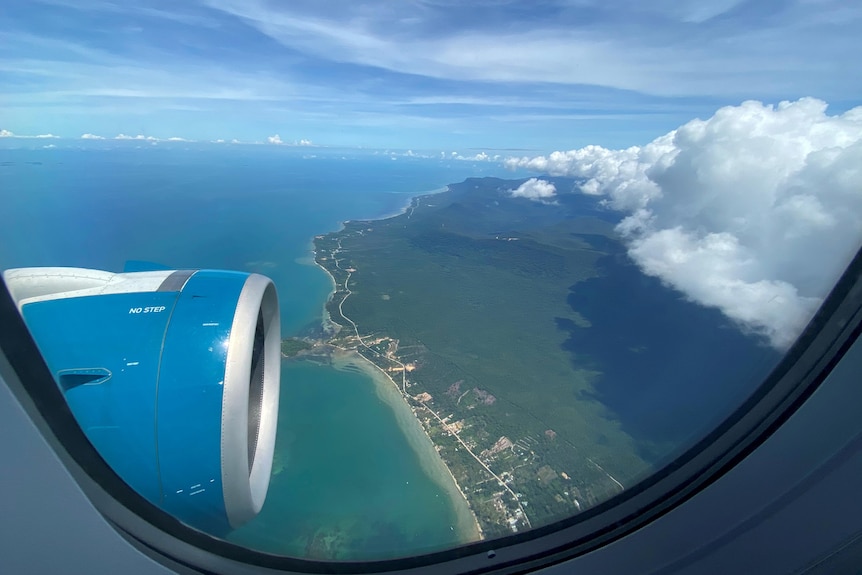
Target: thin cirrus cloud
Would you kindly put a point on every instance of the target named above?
(667, 49)
(473, 74)
(754, 211)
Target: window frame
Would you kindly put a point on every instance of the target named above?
(831, 332)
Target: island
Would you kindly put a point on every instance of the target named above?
(460, 302)
(293, 346)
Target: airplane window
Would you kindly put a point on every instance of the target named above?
(387, 280)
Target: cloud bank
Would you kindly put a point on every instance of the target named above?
(9, 134)
(138, 137)
(755, 211)
(535, 189)
(275, 139)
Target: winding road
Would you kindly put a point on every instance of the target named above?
(404, 388)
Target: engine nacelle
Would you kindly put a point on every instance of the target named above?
(172, 375)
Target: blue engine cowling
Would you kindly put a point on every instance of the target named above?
(172, 375)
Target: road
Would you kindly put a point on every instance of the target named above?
(404, 388)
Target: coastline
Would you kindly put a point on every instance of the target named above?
(407, 206)
(468, 526)
(329, 326)
(433, 465)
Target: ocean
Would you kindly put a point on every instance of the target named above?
(352, 480)
(249, 208)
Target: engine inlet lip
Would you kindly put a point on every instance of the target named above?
(248, 446)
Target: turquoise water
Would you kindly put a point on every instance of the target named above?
(346, 482)
(350, 485)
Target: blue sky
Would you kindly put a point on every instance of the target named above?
(420, 74)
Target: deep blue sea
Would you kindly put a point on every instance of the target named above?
(250, 208)
(348, 483)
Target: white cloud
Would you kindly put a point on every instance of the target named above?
(668, 49)
(91, 137)
(480, 157)
(535, 189)
(8, 134)
(138, 137)
(755, 211)
(276, 139)
(49, 146)
(304, 142)
(408, 154)
(177, 139)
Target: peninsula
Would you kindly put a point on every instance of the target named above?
(458, 301)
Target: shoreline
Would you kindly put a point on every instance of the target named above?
(411, 203)
(407, 206)
(432, 464)
(329, 326)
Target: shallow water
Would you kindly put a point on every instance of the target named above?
(351, 485)
(347, 484)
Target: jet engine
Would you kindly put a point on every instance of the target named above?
(172, 375)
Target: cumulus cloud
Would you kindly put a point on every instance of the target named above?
(91, 137)
(479, 157)
(304, 142)
(177, 139)
(754, 211)
(276, 139)
(46, 136)
(6, 134)
(535, 189)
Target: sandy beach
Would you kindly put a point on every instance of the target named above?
(433, 465)
(390, 393)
